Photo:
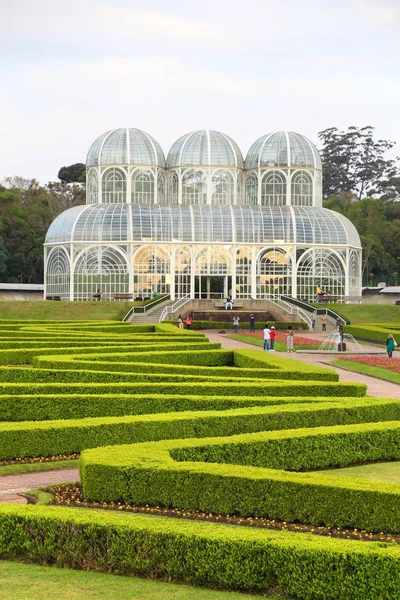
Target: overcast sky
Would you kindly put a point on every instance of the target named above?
(72, 69)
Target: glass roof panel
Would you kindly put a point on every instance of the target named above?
(205, 224)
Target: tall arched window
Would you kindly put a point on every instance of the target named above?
(243, 272)
(323, 268)
(114, 186)
(251, 188)
(142, 187)
(151, 272)
(355, 273)
(302, 192)
(194, 187)
(101, 267)
(222, 188)
(58, 274)
(92, 187)
(273, 273)
(183, 269)
(273, 189)
(173, 187)
(160, 187)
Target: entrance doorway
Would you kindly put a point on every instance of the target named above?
(214, 287)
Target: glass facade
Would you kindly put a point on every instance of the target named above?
(152, 225)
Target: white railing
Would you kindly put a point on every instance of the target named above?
(291, 309)
(170, 309)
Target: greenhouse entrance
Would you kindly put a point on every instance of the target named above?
(214, 287)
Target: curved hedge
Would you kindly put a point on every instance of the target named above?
(248, 475)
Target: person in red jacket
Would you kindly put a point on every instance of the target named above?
(272, 338)
(188, 322)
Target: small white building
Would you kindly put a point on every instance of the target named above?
(152, 225)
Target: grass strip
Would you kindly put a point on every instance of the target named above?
(377, 372)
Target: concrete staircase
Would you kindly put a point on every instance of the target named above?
(150, 317)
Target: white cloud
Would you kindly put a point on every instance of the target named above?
(107, 24)
(381, 11)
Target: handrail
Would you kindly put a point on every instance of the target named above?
(172, 308)
(299, 312)
(310, 308)
(143, 309)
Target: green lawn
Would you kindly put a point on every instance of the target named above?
(387, 471)
(62, 311)
(20, 581)
(38, 467)
(365, 313)
(378, 372)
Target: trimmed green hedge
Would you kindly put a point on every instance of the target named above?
(50, 438)
(201, 553)
(44, 407)
(253, 486)
(374, 332)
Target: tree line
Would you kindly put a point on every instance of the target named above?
(359, 181)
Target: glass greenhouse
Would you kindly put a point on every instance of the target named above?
(256, 227)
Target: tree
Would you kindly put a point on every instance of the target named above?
(354, 162)
(73, 173)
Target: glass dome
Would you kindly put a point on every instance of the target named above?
(283, 149)
(205, 148)
(211, 224)
(125, 147)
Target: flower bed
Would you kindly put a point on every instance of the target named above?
(383, 362)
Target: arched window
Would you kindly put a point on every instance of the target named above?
(273, 273)
(302, 189)
(323, 268)
(252, 188)
(160, 187)
(58, 274)
(114, 186)
(100, 267)
(355, 273)
(213, 261)
(151, 272)
(222, 188)
(92, 188)
(173, 187)
(142, 187)
(273, 189)
(194, 187)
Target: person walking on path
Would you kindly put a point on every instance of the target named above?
(324, 319)
(267, 338)
(236, 320)
(290, 339)
(272, 337)
(313, 319)
(390, 345)
(188, 322)
(180, 322)
(252, 323)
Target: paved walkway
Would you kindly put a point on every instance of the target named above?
(375, 387)
(12, 486)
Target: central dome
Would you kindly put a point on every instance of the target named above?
(125, 146)
(205, 148)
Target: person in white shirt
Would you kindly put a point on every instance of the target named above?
(267, 338)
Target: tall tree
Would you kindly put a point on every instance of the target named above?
(73, 173)
(354, 162)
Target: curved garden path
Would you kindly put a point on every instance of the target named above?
(12, 487)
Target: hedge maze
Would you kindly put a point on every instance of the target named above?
(163, 418)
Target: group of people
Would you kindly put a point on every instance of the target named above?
(187, 322)
(324, 319)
